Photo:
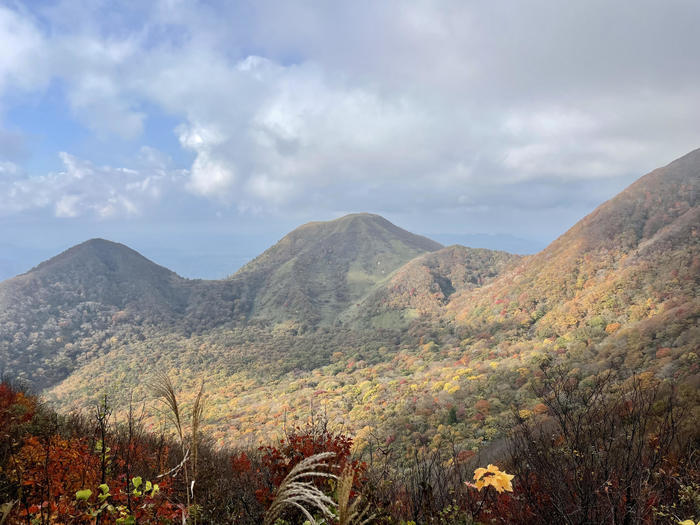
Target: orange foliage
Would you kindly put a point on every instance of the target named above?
(612, 328)
(52, 471)
(301, 444)
(15, 407)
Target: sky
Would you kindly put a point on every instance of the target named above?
(200, 132)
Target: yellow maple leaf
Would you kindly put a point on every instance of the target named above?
(494, 477)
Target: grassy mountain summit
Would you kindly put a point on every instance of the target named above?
(322, 268)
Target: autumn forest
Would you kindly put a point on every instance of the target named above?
(358, 373)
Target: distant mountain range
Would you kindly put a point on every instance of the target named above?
(212, 253)
(620, 288)
(312, 276)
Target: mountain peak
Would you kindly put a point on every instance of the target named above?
(362, 217)
(364, 224)
(100, 255)
(321, 268)
(640, 238)
(647, 206)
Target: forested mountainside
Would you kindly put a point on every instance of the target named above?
(627, 274)
(66, 309)
(431, 344)
(425, 285)
(321, 268)
(101, 295)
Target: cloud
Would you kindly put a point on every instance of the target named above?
(82, 189)
(23, 54)
(383, 106)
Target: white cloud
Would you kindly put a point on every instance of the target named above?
(347, 106)
(85, 190)
(67, 206)
(8, 170)
(23, 53)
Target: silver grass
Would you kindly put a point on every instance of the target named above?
(296, 491)
(350, 513)
(197, 412)
(164, 389)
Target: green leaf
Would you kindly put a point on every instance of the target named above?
(136, 482)
(83, 495)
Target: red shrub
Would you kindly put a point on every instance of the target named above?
(300, 444)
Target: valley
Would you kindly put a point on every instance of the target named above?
(388, 333)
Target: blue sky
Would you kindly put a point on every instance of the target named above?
(201, 132)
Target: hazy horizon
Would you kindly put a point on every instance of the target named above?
(205, 255)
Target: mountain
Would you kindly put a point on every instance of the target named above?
(423, 286)
(398, 338)
(322, 268)
(68, 310)
(62, 308)
(498, 242)
(626, 276)
(100, 271)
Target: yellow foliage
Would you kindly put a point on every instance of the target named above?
(524, 414)
(361, 439)
(491, 475)
(429, 347)
(450, 388)
(438, 386)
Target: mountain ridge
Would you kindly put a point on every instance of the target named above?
(91, 290)
(441, 345)
(640, 241)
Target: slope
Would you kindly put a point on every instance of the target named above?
(100, 295)
(620, 290)
(322, 268)
(629, 270)
(76, 297)
(424, 285)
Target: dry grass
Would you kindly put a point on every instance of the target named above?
(298, 491)
(165, 391)
(197, 412)
(350, 513)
